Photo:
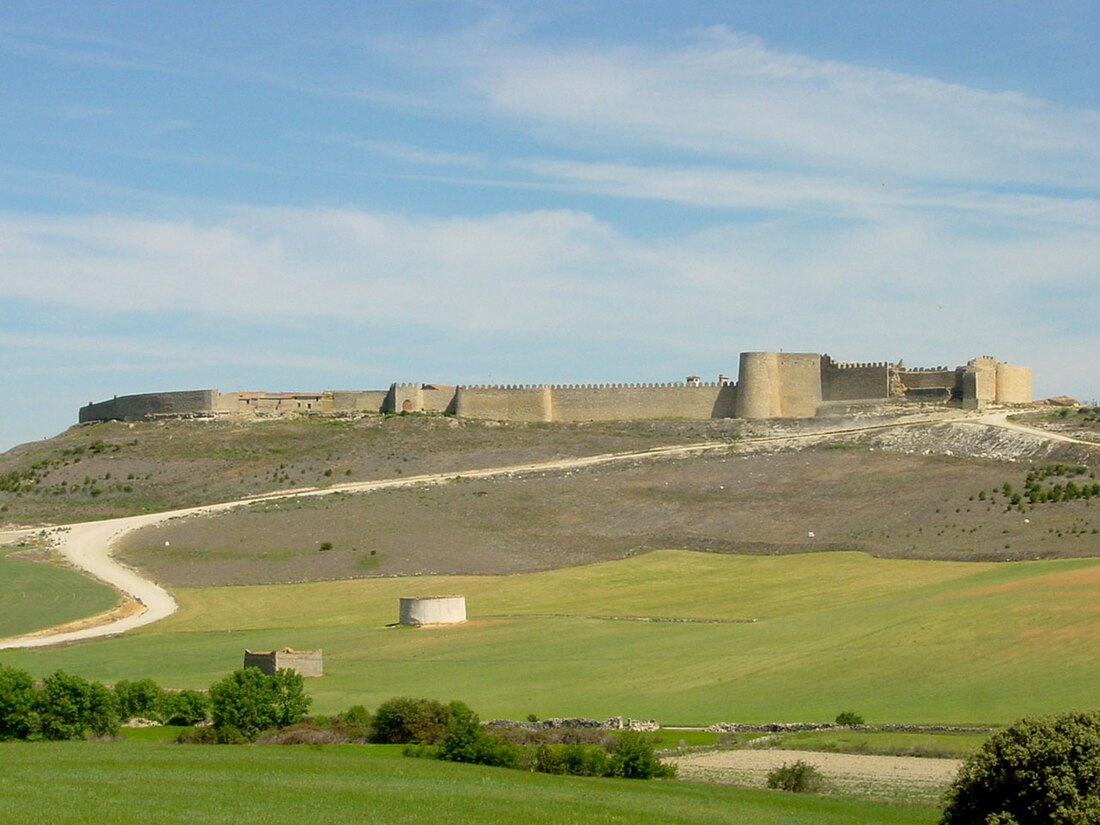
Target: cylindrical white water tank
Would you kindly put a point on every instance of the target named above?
(432, 610)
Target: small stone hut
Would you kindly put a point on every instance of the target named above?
(304, 662)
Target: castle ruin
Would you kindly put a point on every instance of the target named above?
(769, 385)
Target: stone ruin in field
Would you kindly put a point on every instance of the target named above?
(304, 662)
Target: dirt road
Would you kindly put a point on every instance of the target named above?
(88, 546)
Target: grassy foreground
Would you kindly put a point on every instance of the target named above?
(34, 595)
(778, 638)
(135, 782)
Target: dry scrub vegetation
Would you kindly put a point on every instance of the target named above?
(880, 494)
(112, 469)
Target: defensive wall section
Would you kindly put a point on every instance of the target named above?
(596, 402)
(150, 405)
(769, 385)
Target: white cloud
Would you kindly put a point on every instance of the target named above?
(723, 94)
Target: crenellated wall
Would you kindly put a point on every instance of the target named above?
(770, 385)
(843, 381)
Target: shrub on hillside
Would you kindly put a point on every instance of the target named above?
(404, 720)
(18, 717)
(797, 777)
(1039, 770)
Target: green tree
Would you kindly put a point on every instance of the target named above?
(143, 698)
(632, 758)
(467, 741)
(289, 699)
(247, 702)
(242, 703)
(18, 718)
(1038, 770)
(67, 706)
(185, 707)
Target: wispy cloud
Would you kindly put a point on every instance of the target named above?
(729, 188)
(727, 95)
(409, 152)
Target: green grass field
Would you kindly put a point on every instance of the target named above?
(793, 638)
(34, 595)
(142, 782)
(883, 743)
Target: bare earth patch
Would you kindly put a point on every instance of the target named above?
(893, 777)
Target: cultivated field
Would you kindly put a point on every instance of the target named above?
(36, 594)
(788, 638)
(144, 783)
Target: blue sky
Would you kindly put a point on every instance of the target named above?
(334, 195)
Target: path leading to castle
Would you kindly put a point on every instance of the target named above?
(88, 546)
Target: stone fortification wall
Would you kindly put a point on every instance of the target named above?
(514, 403)
(596, 402)
(421, 610)
(842, 381)
(305, 662)
(615, 402)
(926, 378)
(778, 385)
(770, 385)
(979, 383)
(1013, 384)
(137, 407)
(420, 398)
(359, 401)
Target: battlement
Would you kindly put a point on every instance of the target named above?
(642, 385)
(858, 365)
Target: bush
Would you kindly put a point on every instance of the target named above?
(67, 706)
(404, 720)
(797, 777)
(355, 723)
(142, 698)
(185, 707)
(632, 758)
(18, 717)
(247, 702)
(467, 741)
(1039, 770)
(849, 717)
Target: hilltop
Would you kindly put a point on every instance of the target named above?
(111, 469)
(933, 491)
